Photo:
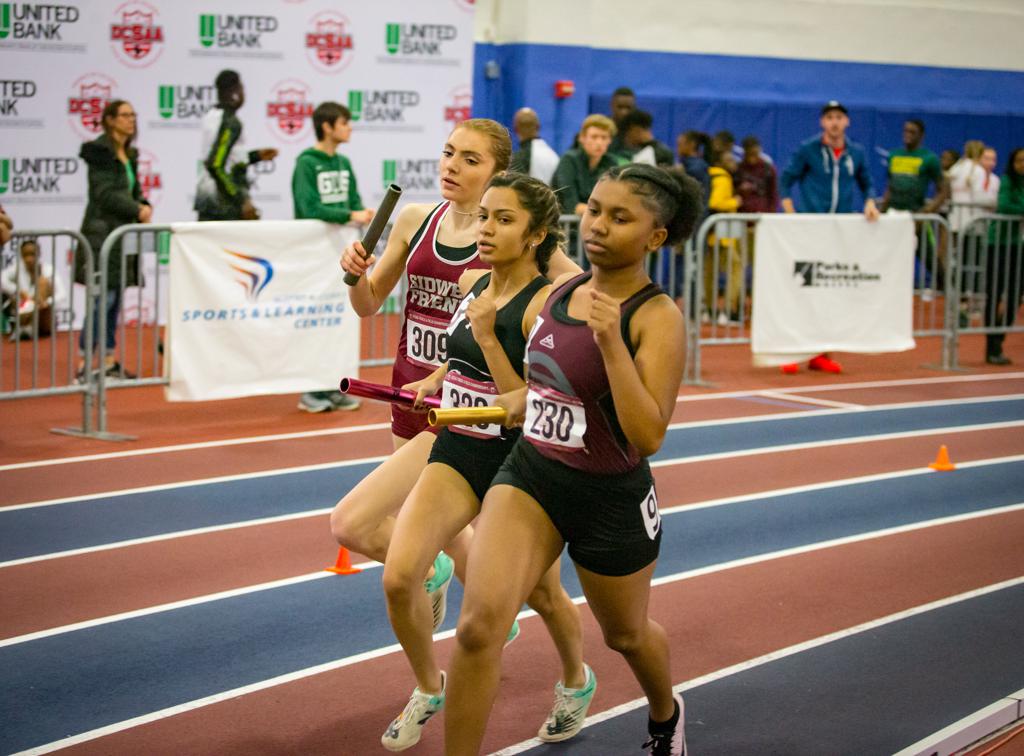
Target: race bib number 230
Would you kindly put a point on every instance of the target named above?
(554, 419)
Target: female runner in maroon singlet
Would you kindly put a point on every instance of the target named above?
(438, 244)
(605, 360)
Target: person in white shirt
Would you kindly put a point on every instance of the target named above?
(973, 185)
(31, 288)
(535, 157)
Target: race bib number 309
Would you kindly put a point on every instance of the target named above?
(554, 419)
(426, 340)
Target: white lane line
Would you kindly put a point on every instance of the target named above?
(811, 400)
(968, 730)
(674, 426)
(831, 442)
(165, 537)
(197, 482)
(382, 426)
(677, 461)
(376, 653)
(852, 386)
(782, 654)
(195, 445)
(855, 409)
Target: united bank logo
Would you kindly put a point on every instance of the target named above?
(13, 93)
(419, 41)
(89, 95)
(36, 179)
(252, 273)
(135, 35)
(236, 36)
(831, 274)
(328, 42)
(38, 25)
(413, 175)
(184, 105)
(386, 109)
(289, 109)
(150, 179)
(459, 107)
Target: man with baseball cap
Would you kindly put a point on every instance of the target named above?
(827, 166)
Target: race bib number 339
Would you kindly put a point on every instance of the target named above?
(554, 419)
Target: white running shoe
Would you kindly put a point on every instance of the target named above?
(437, 586)
(570, 709)
(670, 743)
(405, 730)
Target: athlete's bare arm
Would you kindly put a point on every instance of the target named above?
(374, 286)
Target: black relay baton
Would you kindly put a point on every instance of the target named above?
(380, 219)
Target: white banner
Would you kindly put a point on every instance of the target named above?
(832, 283)
(258, 308)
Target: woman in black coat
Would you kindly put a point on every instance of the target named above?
(115, 199)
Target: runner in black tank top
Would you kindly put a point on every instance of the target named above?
(606, 361)
(486, 345)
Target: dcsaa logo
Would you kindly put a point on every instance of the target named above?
(89, 95)
(289, 109)
(150, 179)
(136, 37)
(329, 42)
(459, 107)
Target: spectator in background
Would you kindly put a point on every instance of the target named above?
(534, 157)
(6, 227)
(638, 142)
(964, 177)
(827, 166)
(31, 289)
(623, 102)
(756, 181)
(725, 238)
(1004, 265)
(913, 169)
(694, 149)
(223, 189)
(947, 159)
(115, 199)
(324, 188)
(580, 168)
(723, 141)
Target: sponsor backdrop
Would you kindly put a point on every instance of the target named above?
(403, 68)
(832, 283)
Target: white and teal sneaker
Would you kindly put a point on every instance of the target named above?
(437, 586)
(570, 709)
(405, 730)
(513, 633)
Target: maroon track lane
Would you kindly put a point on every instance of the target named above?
(713, 621)
(172, 570)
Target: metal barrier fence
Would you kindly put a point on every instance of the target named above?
(42, 307)
(718, 281)
(990, 278)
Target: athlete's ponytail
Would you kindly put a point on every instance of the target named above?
(540, 202)
(673, 197)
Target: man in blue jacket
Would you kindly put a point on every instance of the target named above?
(827, 166)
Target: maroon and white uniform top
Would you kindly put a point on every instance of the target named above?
(570, 415)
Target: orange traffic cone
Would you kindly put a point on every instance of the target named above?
(343, 565)
(942, 462)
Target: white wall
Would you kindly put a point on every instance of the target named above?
(981, 34)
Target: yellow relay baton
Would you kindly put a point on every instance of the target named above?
(467, 416)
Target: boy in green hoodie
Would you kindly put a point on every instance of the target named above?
(324, 188)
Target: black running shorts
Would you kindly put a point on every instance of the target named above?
(476, 460)
(610, 522)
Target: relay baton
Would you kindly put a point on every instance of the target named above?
(467, 416)
(380, 219)
(384, 393)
